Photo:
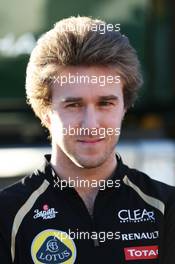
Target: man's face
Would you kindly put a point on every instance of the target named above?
(83, 113)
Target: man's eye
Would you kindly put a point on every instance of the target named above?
(105, 103)
(73, 105)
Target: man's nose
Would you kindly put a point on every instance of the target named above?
(90, 117)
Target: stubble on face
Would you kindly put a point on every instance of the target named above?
(91, 158)
(82, 154)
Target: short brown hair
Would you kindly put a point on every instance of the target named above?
(73, 42)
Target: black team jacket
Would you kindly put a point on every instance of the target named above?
(133, 221)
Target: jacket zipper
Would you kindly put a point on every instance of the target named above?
(95, 241)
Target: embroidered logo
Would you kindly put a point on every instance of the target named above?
(53, 247)
(136, 216)
(46, 213)
(143, 252)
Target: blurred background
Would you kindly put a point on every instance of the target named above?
(148, 134)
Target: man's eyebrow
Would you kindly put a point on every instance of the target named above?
(79, 99)
(71, 99)
(108, 97)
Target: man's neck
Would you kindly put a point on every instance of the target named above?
(67, 170)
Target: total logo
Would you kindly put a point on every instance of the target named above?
(143, 252)
(46, 213)
(53, 247)
(135, 216)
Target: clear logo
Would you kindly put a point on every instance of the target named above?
(136, 216)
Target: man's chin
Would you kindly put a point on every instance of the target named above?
(89, 162)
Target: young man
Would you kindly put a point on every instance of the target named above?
(84, 205)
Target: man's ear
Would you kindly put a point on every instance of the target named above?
(46, 120)
(124, 112)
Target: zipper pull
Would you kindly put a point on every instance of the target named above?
(96, 242)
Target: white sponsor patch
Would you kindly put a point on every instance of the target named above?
(135, 216)
(140, 236)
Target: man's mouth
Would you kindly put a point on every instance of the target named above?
(90, 141)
